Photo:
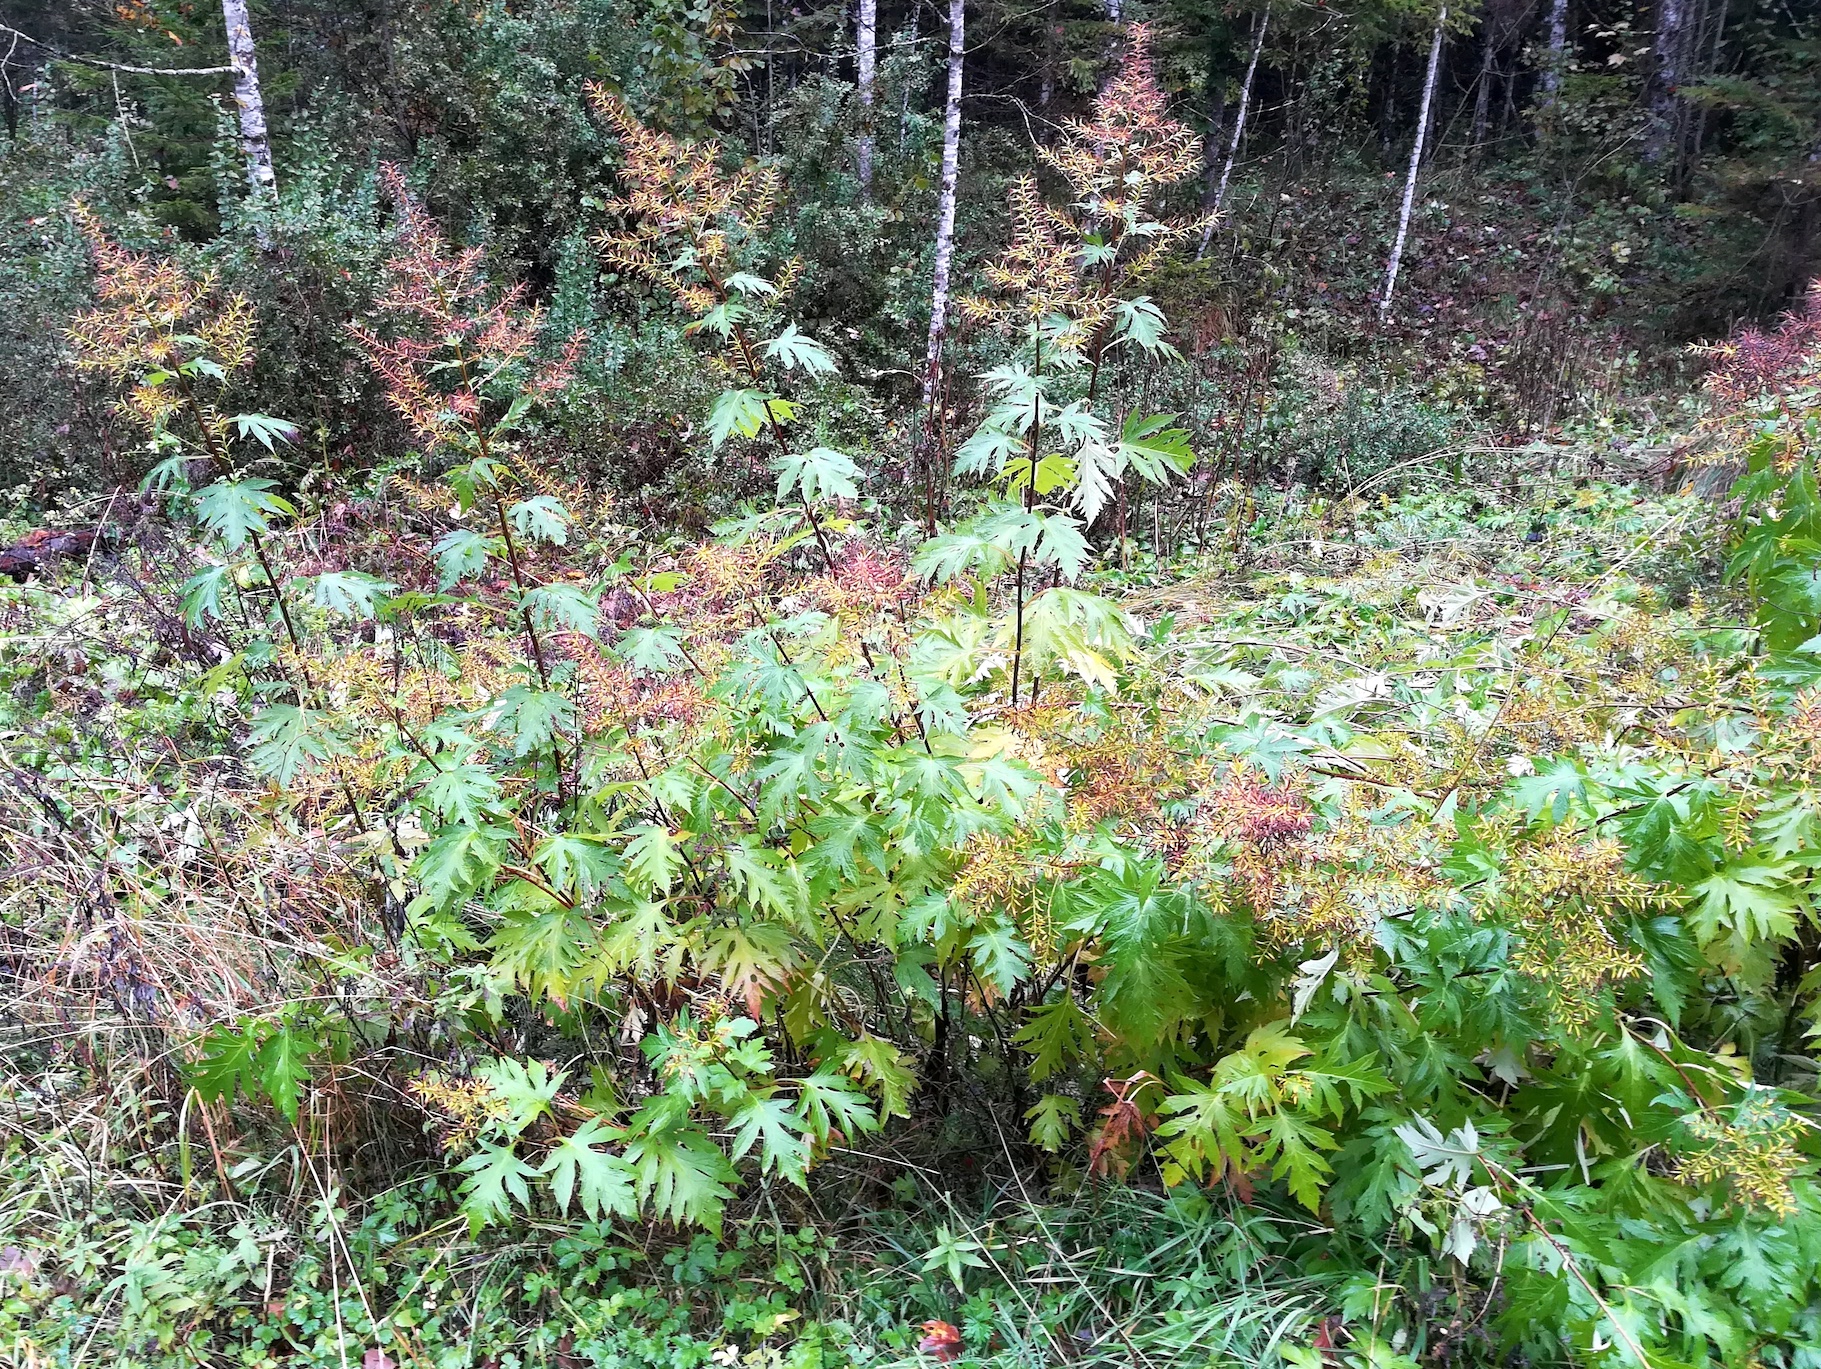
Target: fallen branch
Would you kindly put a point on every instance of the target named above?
(114, 66)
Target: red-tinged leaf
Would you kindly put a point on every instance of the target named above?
(940, 1340)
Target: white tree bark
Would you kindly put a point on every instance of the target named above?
(866, 49)
(1239, 129)
(255, 144)
(1416, 162)
(945, 206)
(1558, 51)
(1667, 51)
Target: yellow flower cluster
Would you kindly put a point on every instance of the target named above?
(462, 1107)
(1755, 1155)
(1561, 894)
(152, 319)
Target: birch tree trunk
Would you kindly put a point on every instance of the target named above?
(1239, 129)
(255, 144)
(866, 48)
(945, 223)
(1416, 162)
(1666, 74)
(1558, 51)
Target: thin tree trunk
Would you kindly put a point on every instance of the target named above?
(945, 226)
(1239, 129)
(1482, 100)
(866, 45)
(1558, 52)
(1217, 126)
(255, 144)
(1712, 67)
(1666, 74)
(1052, 33)
(916, 37)
(1416, 162)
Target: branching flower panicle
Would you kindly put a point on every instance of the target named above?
(677, 195)
(1073, 262)
(1754, 363)
(1039, 273)
(462, 344)
(155, 324)
(1118, 160)
(1755, 1152)
(1563, 893)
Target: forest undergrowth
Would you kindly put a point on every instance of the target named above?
(1055, 891)
(1373, 950)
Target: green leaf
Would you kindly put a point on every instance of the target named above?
(1551, 790)
(651, 650)
(256, 1057)
(769, 1122)
(265, 429)
(954, 1254)
(990, 449)
(1154, 449)
(1140, 323)
(542, 518)
(235, 510)
(458, 862)
(531, 719)
(461, 554)
(764, 878)
(604, 1181)
(495, 1182)
(830, 1106)
(224, 1062)
(1754, 900)
(1291, 1145)
(1063, 545)
(575, 861)
(751, 960)
(1054, 472)
(471, 477)
(1000, 955)
(874, 1060)
(348, 592)
(466, 794)
(794, 350)
(681, 1173)
(202, 594)
(1057, 1035)
(525, 1090)
(652, 859)
(737, 411)
(515, 413)
(1053, 1120)
(748, 284)
(1445, 1161)
(288, 741)
(1203, 1130)
(952, 555)
(544, 950)
(821, 474)
(564, 607)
